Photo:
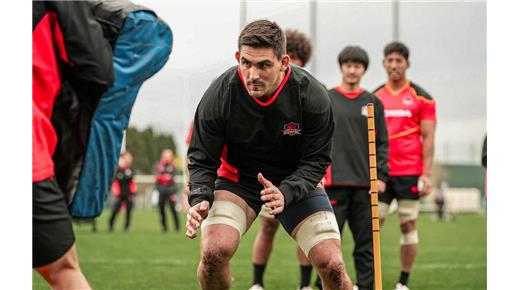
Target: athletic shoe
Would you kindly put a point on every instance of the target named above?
(400, 286)
(256, 287)
(305, 288)
(355, 287)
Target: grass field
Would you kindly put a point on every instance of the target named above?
(451, 256)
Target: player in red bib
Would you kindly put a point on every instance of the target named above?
(410, 117)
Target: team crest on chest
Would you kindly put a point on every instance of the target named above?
(291, 129)
(407, 101)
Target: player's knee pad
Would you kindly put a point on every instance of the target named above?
(407, 209)
(320, 227)
(227, 213)
(383, 209)
(411, 238)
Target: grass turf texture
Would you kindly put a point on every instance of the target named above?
(452, 255)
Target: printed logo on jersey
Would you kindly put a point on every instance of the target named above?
(398, 113)
(364, 111)
(407, 101)
(291, 129)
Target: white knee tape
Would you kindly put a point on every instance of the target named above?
(411, 238)
(227, 213)
(320, 227)
(408, 209)
(383, 209)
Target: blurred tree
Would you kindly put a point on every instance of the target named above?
(146, 147)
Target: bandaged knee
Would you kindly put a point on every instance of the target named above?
(320, 227)
(407, 209)
(226, 213)
(411, 238)
(383, 209)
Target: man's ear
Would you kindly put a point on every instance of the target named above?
(409, 64)
(237, 56)
(285, 62)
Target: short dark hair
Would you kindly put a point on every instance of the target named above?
(353, 54)
(298, 45)
(264, 34)
(398, 47)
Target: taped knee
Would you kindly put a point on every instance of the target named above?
(320, 227)
(410, 238)
(383, 209)
(408, 209)
(226, 213)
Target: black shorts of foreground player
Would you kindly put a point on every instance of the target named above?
(262, 135)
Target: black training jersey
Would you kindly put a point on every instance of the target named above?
(287, 139)
(350, 166)
(125, 182)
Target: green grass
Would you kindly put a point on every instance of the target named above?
(451, 256)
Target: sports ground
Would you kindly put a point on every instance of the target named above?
(452, 255)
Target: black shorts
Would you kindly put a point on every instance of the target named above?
(292, 215)
(400, 187)
(52, 224)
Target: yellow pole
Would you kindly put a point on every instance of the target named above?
(373, 196)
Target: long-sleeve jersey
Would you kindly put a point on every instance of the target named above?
(404, 112)
(67, 44)
(287, 139)
(124, 185)
(350, 142)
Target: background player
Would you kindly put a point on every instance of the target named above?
(299, 49)
(347, 181)
(124, 189)
(250, 123)
(410, 117)
(165, 185)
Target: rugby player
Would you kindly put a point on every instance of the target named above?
(299, 49)
(262, 135)
(347, 181)
(410, 118)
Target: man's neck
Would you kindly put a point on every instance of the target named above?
(396, 85)
(350, 88)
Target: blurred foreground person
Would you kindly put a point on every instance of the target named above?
(67, 44)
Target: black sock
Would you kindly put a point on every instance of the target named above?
(258, 274)
(305, 275)
(318, 283)
(404, 278)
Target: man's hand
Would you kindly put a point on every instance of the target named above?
(381, 186)
(424, 185)
(195, 215)
(271, 195)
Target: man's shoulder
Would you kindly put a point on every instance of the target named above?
(220, 85)
(230, 75)
(420, 92)
(378, 90)
(305, 79)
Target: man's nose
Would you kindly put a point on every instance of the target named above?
(253, 73)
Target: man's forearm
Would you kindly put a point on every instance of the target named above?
(428, 155)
